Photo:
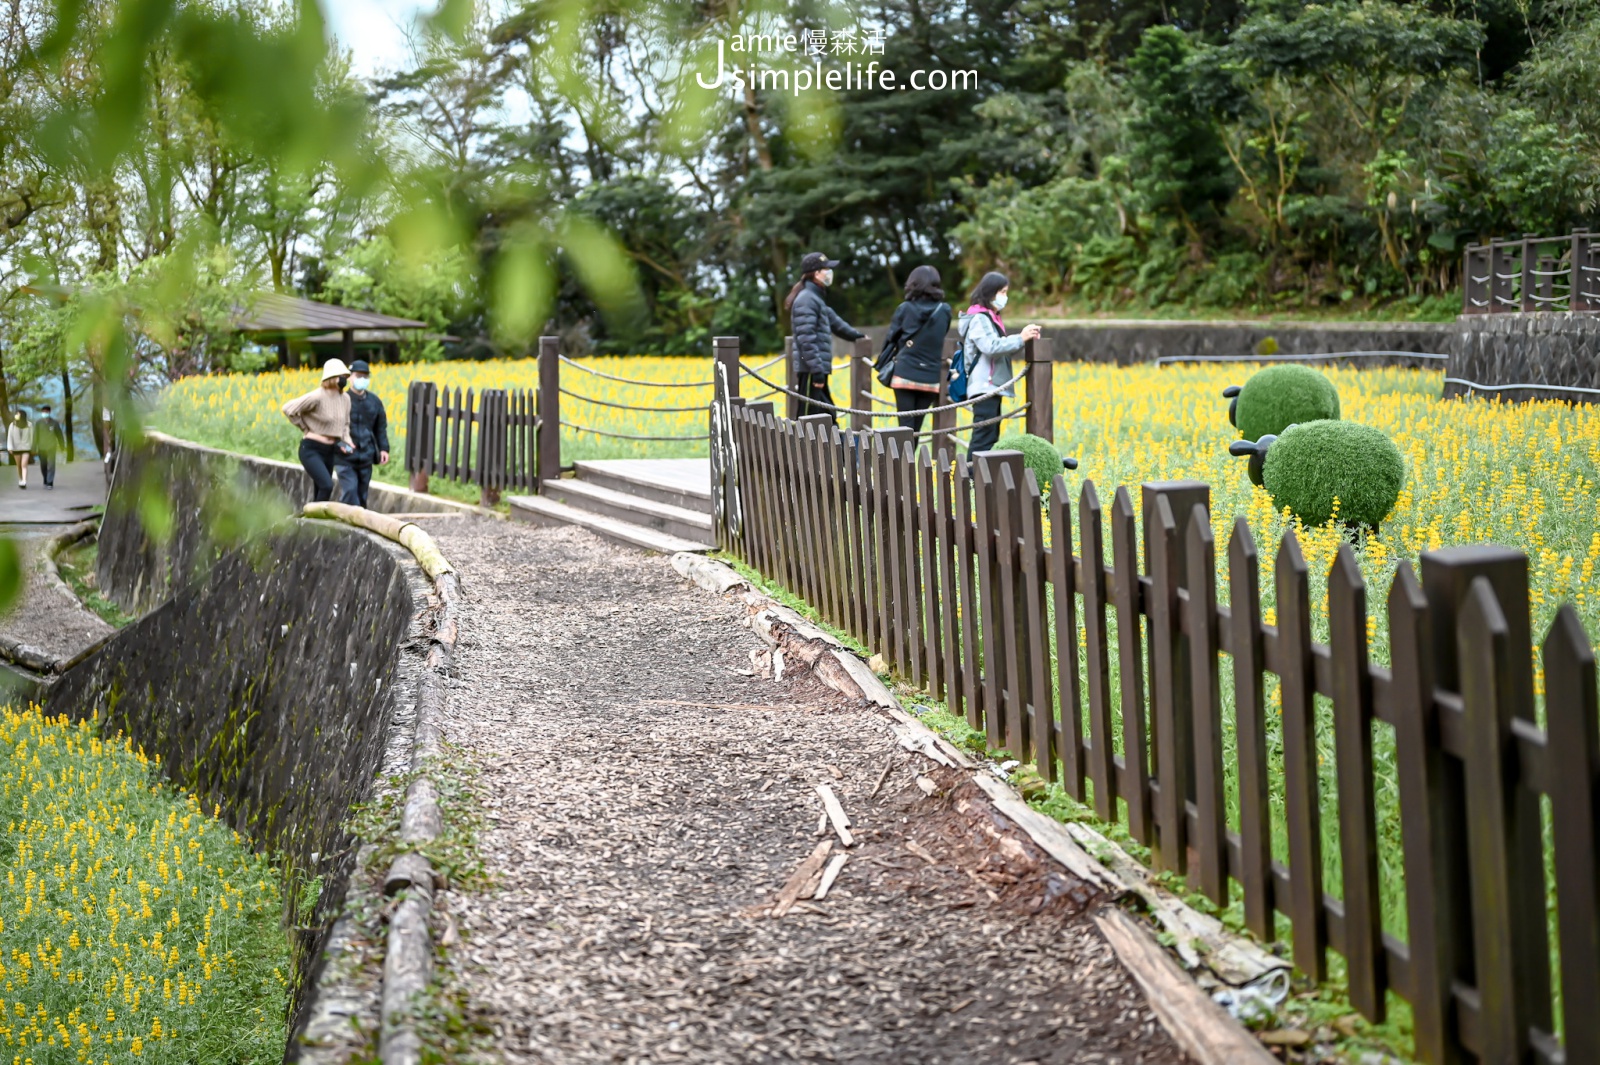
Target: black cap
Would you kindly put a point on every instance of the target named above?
(815, 260)
(360, 366)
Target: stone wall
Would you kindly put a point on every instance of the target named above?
(266, 688)
(215, 499)
(1559, 349)
(1128, 342)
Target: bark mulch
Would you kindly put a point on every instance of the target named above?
(648, 795)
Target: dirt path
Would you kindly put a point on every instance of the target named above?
(48, 618)
(649, 796)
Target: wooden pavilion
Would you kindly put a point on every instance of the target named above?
(300, 326)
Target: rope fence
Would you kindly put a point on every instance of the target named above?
(885, 414)
(1428, 356)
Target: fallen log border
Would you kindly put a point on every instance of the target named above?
(1204, 1030)
(408, 950)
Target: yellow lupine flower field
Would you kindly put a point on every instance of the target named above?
(134, 926)
(1478, 471)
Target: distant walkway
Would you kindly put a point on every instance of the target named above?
(649, 793)
(80, 487)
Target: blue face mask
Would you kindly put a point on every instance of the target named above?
(359, 383)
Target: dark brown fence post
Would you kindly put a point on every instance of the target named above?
(860, 384)
(1573, 711)
(1448, 578)
(1169, 507)
(967, 565)
(1096, 651)
(944, 422)
(1040, 418)
(1583, 297)
(725, 360)
(549, 425)
(1358, 820)
(490, 455)
(1530, 263)
(792, 377)
(1302, 812)
(1211, 806)
(1250, 726)
(1501, 276)
(419, 432)
(1005, 641)
(1126, 598)
(1472, 295)
(1068, 738)
(1500, 898)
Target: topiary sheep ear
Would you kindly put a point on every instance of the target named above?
(1068, 462)
(1242, 448)
(1230, 391)
(1233, 412)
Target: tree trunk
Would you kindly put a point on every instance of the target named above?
(66, 408)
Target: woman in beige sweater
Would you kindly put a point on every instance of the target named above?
(323, 416)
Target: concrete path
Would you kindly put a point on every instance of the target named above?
(648, 793)
(80, 487)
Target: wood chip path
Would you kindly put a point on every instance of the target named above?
(649, 796)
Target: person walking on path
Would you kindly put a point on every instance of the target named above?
(913, 349)
(323, 416)
(48, 440)
(812, 320)
(369, 432)
(987, 349)
(19, 441)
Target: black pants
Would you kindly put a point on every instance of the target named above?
(47, 467)
(357, 478)
(984, 436)
(815, 387)
(325, 465)
(909, 399)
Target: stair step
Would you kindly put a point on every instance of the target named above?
(636, 510)
(538, 510)
(658, 483)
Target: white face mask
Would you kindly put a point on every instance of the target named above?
(359, 383)
(825, 276)
(1000, 302)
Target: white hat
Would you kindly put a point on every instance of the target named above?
(334, 368)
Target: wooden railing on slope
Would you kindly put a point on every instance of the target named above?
(969, 588)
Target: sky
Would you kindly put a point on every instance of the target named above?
(373, 30)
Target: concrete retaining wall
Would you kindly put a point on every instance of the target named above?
(1126, 342)
(1546, 349)
(216, 498)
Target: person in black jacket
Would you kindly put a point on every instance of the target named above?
(811, 320)
(369, 432)
(915, 342)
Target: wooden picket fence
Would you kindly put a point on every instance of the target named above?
(490, 440)
(969, 587)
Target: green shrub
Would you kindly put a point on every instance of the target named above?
(1280, 396)
(1313, 463)
(1038, 454)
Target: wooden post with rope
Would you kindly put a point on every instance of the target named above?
(549, 426)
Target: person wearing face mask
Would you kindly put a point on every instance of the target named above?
(369, 432)
(987, 350)
(19, 441)
(812, 320)
(323, 418)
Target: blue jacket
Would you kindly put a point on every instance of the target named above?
(811, 320)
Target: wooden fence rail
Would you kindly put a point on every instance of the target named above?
(1532, 274)
(969, 587)
(489, 440)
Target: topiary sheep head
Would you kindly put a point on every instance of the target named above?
(1039, 455)
(1312, 464)
(1278, 397)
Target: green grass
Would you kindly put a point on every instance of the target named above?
(77, 567)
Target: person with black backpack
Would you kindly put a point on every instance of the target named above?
(913, 349)
(987, 349)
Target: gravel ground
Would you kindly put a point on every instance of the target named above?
(46, 618)
(648, 794)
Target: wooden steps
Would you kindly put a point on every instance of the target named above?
(659, 505)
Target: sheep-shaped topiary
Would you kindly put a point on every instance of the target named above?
(1039, 455)
(1309, 465)
(1278, 397)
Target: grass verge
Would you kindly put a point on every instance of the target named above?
(77, 566)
